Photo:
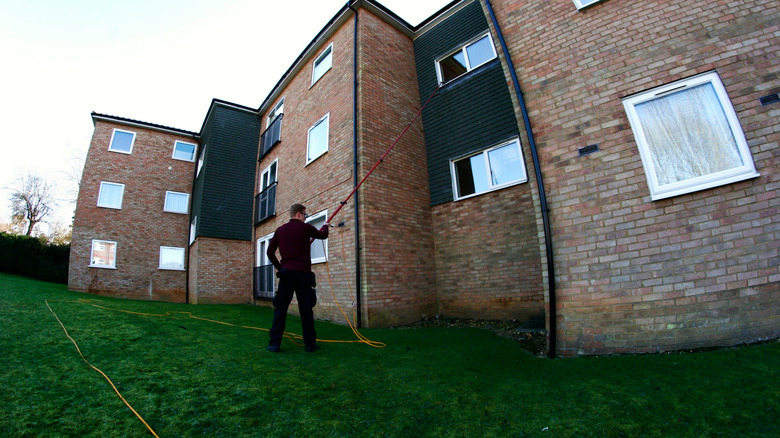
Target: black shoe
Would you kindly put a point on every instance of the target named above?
(312, 348)
(272, 348)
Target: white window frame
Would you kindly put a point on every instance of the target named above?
(325, 119)
(325, 54)
(580, 4)
(462, 49)
(171, 249)
(277, 110)
(317, 216)
(261, 257)
(121, 196)
(491, 187)
(168, 209)
(92, 263)
(201, 158)
(703, 182)
(194, 151)
(193, 229)
(264, 181)
(132, 142)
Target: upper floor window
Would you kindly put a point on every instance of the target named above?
(268, 176)
(466, 58)
(322, 64)
(275, 112)
(171, 258)
(110, 195)
(103, 254)
(184, 151)
(318, 139)
(491, 169)
(122, 141)
(319, 248)
(176, 202)
(193, 229)
(583, 3)
(689, 137)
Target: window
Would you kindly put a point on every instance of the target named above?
(110, 195)
(171, 258)
(274, 113)
(200, 161)
(122, 141)
(583, 3)
(689, 137)
(319, 248)
(488, 170)
(265, 201)
(466, 58)
(264, 278)
(176, 202)
(318, 139)
(103, 254)
(184, 151)
(193, 229)
(268, 176)
(322, 64)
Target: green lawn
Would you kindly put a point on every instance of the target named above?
(190, 377)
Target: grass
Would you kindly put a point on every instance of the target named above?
(189, 377)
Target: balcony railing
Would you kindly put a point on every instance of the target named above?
(265, 204)
(271, 136)
(264, 282)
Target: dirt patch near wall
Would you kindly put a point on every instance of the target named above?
(528, 334)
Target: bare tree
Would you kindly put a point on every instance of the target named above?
(32, 199)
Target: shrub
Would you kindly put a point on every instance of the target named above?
(30, 257)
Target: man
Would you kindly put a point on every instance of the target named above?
(294, 271)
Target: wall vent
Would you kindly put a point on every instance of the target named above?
(772, 98)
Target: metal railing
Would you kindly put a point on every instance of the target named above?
(263, 284)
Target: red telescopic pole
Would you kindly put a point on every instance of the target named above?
(344, 202)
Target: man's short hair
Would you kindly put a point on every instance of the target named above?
(295, 209)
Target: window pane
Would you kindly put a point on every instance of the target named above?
(318, 139)
(176, 202)
(122, 141)
(322, 64)
(103, 253)
(505, 164)
(171, 258)
(452, 66)
(183, 151)
(480, 52)
(318, 247)
(471, 175)
(110, 195)
(688, 135)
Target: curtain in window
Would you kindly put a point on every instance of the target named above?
(688, 135)
(176, 202)
(172, 258)
(110, 195)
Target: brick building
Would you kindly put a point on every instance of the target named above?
(606, 168)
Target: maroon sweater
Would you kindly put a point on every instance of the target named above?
(293, 241)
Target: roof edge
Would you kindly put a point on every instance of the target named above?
(133, 122)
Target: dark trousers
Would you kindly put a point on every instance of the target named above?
(300, 283)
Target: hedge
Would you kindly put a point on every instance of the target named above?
(29, 257)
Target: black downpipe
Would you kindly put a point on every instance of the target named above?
(537, 168)
(358, 313)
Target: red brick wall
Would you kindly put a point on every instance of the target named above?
(635, 275)
(398, 269)
(323, 183)
(140, 227)
(220, 271)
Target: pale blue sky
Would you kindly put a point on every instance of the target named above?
(159, 61)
